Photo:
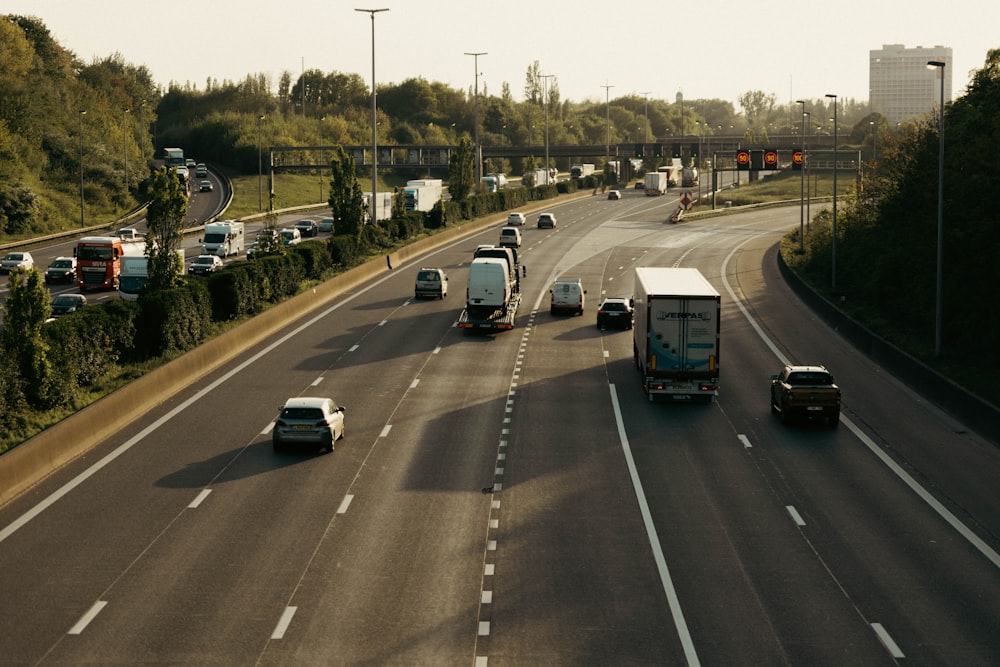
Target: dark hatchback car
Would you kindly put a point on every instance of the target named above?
(615, 313)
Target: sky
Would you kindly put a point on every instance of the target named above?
(793, 49)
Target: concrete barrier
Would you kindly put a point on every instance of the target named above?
(33, 460)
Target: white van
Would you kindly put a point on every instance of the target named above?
(490, 284)
(510, 237)
(430, 282)
(290, 236)
(567, 295)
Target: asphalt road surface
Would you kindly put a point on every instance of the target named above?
(515, 499)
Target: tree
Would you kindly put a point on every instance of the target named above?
(347, 203)
(460, 172)
(25, 311)
(757, 105)
(168, 207)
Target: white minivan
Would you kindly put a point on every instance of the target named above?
(510, 237)
(567, 295)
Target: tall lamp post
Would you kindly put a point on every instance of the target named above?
(645, 131)
(260, 166)
(607, 107)
(545, 100)
(833, 237)
(802, 178)
(939, 66)
(478, 166)
(806, 118)
(125, 146)
(82, 113)
(373, 12)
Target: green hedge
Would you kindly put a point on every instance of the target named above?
(173, 320)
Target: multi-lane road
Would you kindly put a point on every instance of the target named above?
(516, 500)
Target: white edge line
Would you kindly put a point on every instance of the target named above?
(921, 492)
(654, 541)
(85, 620)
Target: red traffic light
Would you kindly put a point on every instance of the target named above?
(743, 160)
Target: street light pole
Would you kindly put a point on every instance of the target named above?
(833, 237)
(260, 167)
(478, 167)
(545, 101)
(82, 113)
(802, 178)
(939, 66)
(607, 106)
(125, 146)
(645, 131)
(374, 205)
(807, 118)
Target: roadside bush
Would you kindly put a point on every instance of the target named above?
(345, 251)
(173, 320)
(233, 296)
(86, 345)
(315, 258)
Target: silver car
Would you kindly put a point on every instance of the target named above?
(308, 420)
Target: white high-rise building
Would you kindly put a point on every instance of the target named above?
(900, 86)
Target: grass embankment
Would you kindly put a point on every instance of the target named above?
(290, 190)
(780, 187)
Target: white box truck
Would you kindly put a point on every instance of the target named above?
(676, 343)
(422, 194)
(656, 183)
(581, 170)
(224, 238)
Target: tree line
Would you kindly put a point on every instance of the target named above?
(65, 123)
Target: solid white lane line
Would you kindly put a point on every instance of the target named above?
(887, 460)
(666, 582)
(283, 623)
(88, 617)
(199, 498)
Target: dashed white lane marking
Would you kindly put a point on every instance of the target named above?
(385, 430)
(283, 623)
(317, 381)
(796, 517)
(85, 620)
(345, 503)
(353, 347)
(199, 498)
(745, 440)
(887, 641)
(413, 385)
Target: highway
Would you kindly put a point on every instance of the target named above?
(516, 499)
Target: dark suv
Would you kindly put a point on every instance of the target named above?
(615, 313)
(546, 220)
